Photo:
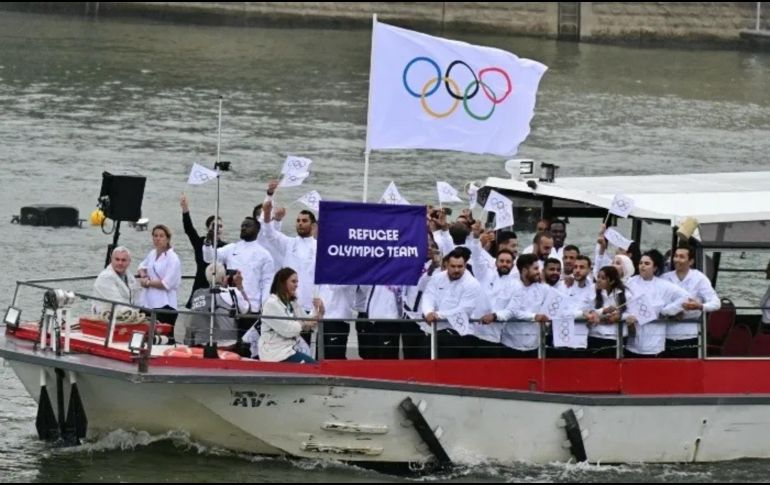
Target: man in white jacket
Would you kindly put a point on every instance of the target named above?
(116, 283)
(682, 338)
(448, 303)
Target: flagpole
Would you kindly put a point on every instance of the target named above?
(368, 150)
(210, 351)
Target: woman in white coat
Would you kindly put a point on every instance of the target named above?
(161, 275)
(280, 337)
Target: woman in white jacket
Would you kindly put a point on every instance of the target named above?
(280, 331)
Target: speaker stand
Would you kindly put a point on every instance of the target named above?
(114, 244)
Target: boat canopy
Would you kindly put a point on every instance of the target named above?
(733, 209)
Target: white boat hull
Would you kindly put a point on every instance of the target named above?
(359, 420)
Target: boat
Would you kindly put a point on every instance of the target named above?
(427, 413)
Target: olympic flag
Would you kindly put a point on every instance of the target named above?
(434, 93)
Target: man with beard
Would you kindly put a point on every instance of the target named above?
(453, 293)
(580, 293)
(569, 256)
(497, 290)
(297, 253)
(251, 259)
(552, 272)
(522, 338)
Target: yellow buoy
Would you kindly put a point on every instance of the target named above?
(97, 217)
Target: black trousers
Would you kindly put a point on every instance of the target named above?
(601, 348)
(509, 353)
(335, 339)
(386, 338)
(687, 349)
(415, 344)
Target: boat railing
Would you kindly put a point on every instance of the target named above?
(154, 316)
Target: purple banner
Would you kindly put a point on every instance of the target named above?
(370, 244)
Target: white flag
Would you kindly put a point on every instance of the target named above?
(429, 92)
(555, 304)
(460, 322)
(616, 239)
(312, 200)
(622, 205)
(392, 196)
(296, 165)
(563, 329)
(446, 193)
(472, 195)
(502, 207)
(644, 311)
(199, 175)
(292, 179)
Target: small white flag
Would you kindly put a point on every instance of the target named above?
(616, 239)
(644, 311)
(472, 195)
(563, 331)
(312, 200)
(292, 179)
(460, 323)
(392, 196)
(502, 207)
(296, 165)
(199, 175)
(622, 205)
(446, 193)
(555, 304)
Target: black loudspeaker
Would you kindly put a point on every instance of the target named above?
(121, 196)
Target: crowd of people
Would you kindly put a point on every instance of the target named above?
(484, 297)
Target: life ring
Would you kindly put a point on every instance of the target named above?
(227, 355)
(179, 352)
(185, 352)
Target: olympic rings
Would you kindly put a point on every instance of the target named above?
(453, 89)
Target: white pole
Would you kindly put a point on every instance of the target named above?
(215, 243)
(366, 174)
(368, 150)
(433, 342)
(759, 13)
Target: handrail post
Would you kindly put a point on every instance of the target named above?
(110, 327)
(433, 342)
(541, 345)
(144, 355)
(619, 341)
(320, 350)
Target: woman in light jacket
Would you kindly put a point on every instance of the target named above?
(280, 332)
(161, 275)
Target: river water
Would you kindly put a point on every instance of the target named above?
(78, 97)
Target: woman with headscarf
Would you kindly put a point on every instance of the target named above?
(625, 267)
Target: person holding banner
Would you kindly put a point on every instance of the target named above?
(280, 339)
(682, 338)
(653, 297)
(456, 293)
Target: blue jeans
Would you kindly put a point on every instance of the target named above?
(300, 358)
